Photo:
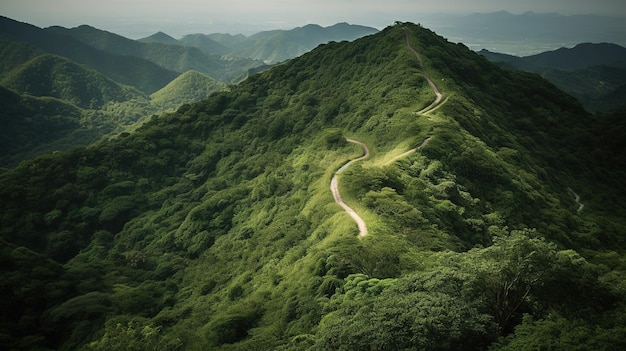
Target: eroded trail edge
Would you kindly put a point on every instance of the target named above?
(334, 188)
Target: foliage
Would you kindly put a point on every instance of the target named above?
(133, 336)
(213, 227)
(54, 76)
(189, 87)
(177, 58)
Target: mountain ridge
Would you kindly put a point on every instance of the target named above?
(56, 76)
(178, 58)
(142, 74)
(213, 227)
(588, 71)
(159, 37)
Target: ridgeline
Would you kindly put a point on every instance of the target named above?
(213, 227)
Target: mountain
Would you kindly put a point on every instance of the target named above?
(587, 71)
(160, 38)
(527, 33)
(172, 57)
(58, 77)
(190, 86)
(276, 45)
(14, 54)
(52, 103)
(98, 105)
(139, 73)
(29, 122)
(204, 43)
(493, 205)
(279, 45)
(580, 56)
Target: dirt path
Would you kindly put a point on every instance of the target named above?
(334, 183)
(334, 188)
(430, 108)
(577, 200)
(438, 95)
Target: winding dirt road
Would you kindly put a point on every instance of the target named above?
(334, 188)
(438, 95)
(334, 183)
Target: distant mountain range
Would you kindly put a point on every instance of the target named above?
(269, 46)
(593, 73)
(103, 83)
(527, 33)
(177, 58)
(143, 74)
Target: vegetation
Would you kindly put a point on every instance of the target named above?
(51, 103)
(176, 58)
(189, 87)
(213, 227)
(54, 76)
(593, 73)
(139, 73)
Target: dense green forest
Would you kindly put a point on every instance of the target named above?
(50, 102)
(213, 227)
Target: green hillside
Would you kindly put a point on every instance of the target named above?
(190, 86)
(593, 73)
(58, 77)
(27, 122)
(280, 45)
(14, 54)
(495, 215)
(593, 86)
(177, 58)
(137, 72)
(53, 103)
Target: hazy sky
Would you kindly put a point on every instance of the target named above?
(137, 17)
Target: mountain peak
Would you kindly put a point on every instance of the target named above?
(161, 38)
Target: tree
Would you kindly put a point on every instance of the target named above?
(134, 336)
(509, 271)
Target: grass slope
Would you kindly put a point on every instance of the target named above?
(190, 86)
